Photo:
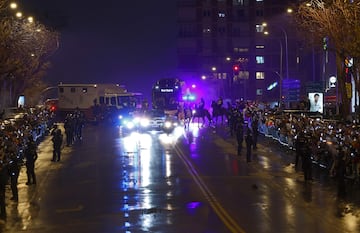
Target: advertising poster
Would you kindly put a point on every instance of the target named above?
(316, 101)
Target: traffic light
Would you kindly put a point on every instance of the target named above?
(236, 68)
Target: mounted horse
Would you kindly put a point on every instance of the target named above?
(218, 111)
(203, 114)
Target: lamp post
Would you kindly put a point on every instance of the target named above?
(286, 45)
(280, 73)
(281, 54)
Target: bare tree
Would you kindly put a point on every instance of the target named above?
(337, 20)
(25, 49)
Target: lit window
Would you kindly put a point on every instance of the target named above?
(239, 2)
(259, 28)
(260, 60)
(260, 46)
(206, 30)
(221, 15)
(241, 50)
(260, 75)
(259, 0)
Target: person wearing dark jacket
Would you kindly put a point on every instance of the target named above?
(307, 162)
(30, 156)
(13, 164)
(249, 143)
(340, 173)
(57, 140)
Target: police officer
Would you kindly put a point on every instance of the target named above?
(69, 129)
(57, 140)
(255, 129)
(249, 143)
(239, 134)
(299, 147)
(31, 157)
(14, 171)
(307, 162)
(3, 181)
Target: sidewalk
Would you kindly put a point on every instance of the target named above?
(30, 196)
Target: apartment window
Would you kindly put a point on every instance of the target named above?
(206, 30)
(207, 13)
(239, 2)
(113, 101)
(241, 50)
(61, 89)
(221, 15)
(221, 30)
(260, 75)
(72, 89)
(259, 13)
(260, 46)
(260, 60)
(259, 28)
(241, 76)
(241, 13)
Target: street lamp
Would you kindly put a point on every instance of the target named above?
(286, 46)
(13, 5)
(281, 54)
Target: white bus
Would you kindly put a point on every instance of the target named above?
(92, 98)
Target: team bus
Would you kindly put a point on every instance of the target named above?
(167, 94)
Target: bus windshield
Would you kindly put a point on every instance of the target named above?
(166, 94)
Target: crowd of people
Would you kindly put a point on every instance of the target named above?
(333, 145)
(19, 137)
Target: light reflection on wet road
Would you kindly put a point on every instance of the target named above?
(157, 183)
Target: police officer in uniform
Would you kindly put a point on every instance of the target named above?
(3, 181)
(13, 165)
(31, 157)
(299, 147)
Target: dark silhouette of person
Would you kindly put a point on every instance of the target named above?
(299, 147)
(57, 140)
(4, 175)
(307, 162)
(340, 173)
(30, 156)
(249, 143)
(239, 136)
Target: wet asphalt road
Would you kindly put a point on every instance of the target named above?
(110, 182)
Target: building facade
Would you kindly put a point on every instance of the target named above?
(245, 49)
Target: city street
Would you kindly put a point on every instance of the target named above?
(113, 182)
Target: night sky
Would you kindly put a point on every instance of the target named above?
(115, 41)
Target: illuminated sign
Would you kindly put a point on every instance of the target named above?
(332, 81)
(272, 86)
(316, 101)
(167, 90)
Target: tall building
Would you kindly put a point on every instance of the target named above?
(244, 48)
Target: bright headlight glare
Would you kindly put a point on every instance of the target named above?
(144, 122)
(136, 120)
(168, 124)
(129, 125)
